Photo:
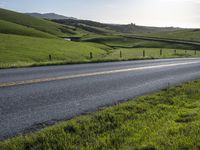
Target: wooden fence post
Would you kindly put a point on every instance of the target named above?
(144, 53)
(91, 56)
(161, 52)
(50, 58)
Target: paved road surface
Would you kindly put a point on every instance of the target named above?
(33, 97)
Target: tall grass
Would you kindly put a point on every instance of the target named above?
(169, 119)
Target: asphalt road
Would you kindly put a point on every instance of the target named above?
(31, 98)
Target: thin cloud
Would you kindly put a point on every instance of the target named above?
(182, 1)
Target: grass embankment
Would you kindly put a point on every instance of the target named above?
(169, 119)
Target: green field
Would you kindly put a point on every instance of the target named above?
(117, 41)
(169, 119)
(151, 53)
(187, 34)
(21, 51)
(26, 51)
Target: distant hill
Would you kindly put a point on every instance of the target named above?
(100, 28)
(60, 26)
(126, 28)
(50, 16)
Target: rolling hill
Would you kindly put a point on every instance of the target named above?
(27, 41)
(186, 34)
(13, 28)
(129, 28)
(50, 16)
(36, 23)
(18, 50)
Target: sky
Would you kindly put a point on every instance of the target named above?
(162, 13)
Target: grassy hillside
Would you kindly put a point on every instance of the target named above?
(127, 28)
(19, 51)
(187, 34)
(89, 26)
(123, 42)
(165, 120)
(12, 28)
(23, 50)
(36, 23)
(35, 39)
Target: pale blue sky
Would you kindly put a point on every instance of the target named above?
(182, 13)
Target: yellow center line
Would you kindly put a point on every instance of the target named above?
(33, 81)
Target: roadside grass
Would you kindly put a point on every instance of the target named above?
(128, 53)
(169, 119)
(54, 63)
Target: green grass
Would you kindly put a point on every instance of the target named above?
(12, 28)
(36, 23)
(130, 53)
(26, 51)
(186, 34)
(123, 42)
(28, 41)
(26, 24)
(22, 51)
(169, 119)
(96, 30)
(113, 41)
